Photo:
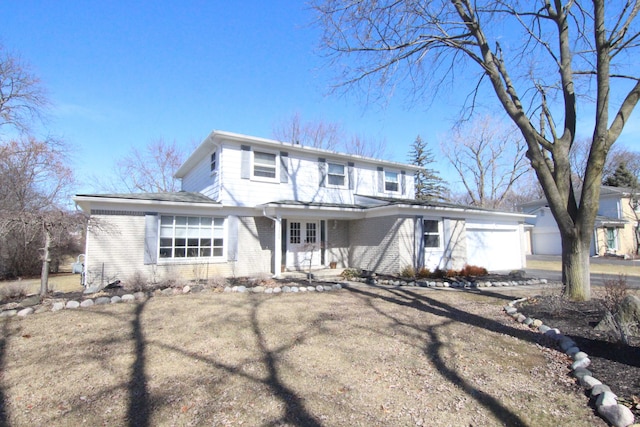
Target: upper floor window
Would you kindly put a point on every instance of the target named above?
(214, 162)
(336, 174)
(431, 233)
(191, 237)
(264, 165)
(391, 181)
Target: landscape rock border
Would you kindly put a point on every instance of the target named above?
(605, 401)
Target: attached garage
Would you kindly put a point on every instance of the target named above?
(494, 247)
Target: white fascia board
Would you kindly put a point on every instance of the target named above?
(449, 212)
(87, 203)
(318, 212)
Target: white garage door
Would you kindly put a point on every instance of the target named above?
(494, 249)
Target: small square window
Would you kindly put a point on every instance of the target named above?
(390, 181)
(336, 174)
(264, 165)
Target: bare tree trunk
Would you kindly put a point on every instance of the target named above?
(575, 269)
(46, 260)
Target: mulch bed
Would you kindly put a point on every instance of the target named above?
(613, 363)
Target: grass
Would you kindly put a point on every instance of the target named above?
(64, 282)
(353, 357)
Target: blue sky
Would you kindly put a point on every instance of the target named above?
(121, 74)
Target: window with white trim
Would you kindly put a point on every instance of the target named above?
(391, 182)
(191, 237)
(336, 174)
(264, 165)
(432, 238)
(611, 237)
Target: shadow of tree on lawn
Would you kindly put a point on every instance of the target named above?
(295, 411)
(138, 412)
(433, 348)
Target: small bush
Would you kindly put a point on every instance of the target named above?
(137, 282)
(473, 270)
(423, 273)
(439, 273)
(217, 281)
(351, 273)
(615, 291)
(12, 291)
(408, 272)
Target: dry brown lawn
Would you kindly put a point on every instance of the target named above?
(356, 357)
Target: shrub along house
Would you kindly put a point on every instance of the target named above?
(251, 205)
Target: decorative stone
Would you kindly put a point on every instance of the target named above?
(588, 382)
(536, 323)
(510, 309)
(580, 355)
(553, 333)
(228, 289)
(115, 299)
(599, 389)
(286, 289)
(140, 296)
(337, 286)
(103, 300)
(241, 289)
(186, 289)
(294, 289)
(25, 312)
(606, 398)
(327, 288)
(581, 372)
(57, 306)
(572, 352)
(581, 363)
(311, 288)
(268, 291)
(303, 289)
(30, 301)
(277, 290)
(528, 321)
(87, 303)
(258, 290)
(319, 288)
(521, 318)
(9, 313)
(167, 292)
(566, 343)
(72, 304)
(128, 298)
(617, 415)
(543, 328)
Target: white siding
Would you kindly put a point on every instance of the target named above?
(201, 179)
(303, 183)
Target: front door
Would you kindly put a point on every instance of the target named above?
(303, 244)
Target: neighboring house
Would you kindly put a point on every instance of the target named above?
(614, 231)
(252, 205)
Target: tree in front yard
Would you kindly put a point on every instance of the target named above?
(537, 59)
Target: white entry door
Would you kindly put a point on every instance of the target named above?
(303, 244)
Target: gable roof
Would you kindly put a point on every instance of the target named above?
(216, 137)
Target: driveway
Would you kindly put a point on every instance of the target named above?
(602, 269)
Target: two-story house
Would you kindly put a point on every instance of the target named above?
(614, 230)
(250, 205)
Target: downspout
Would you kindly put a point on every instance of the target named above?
(277, 256)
